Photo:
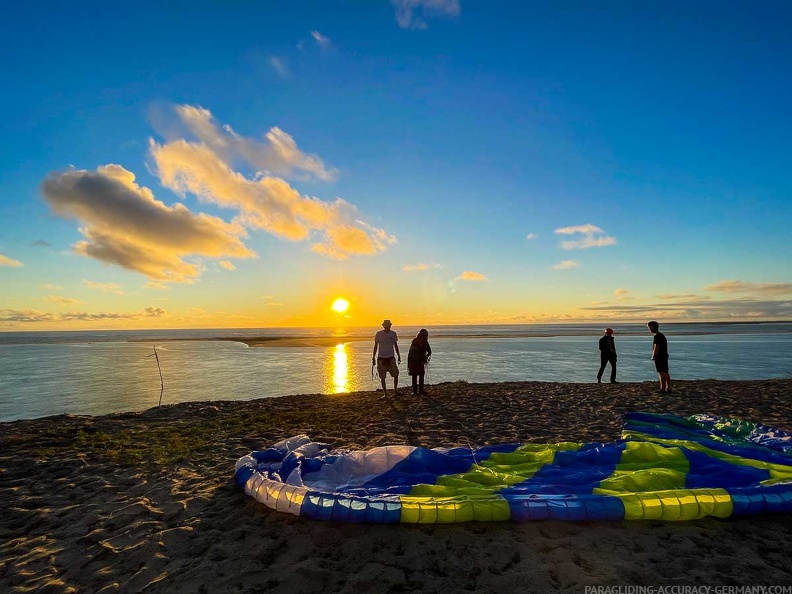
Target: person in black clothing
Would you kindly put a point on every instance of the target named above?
(417, 358)
(660, 356)
(607, 347)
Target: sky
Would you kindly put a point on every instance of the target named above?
(212, 164)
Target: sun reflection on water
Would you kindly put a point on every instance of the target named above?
(340, 369)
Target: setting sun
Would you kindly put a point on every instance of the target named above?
(340, 305)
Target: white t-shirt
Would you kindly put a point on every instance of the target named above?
(386, 341)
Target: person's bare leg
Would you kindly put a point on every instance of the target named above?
(395, 384)
(384, 389)
(665, 381)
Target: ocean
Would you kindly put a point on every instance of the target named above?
(99, 372)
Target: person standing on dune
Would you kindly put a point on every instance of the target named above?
(607, 347)
(386, 342)
(417, 359)
(660, 356)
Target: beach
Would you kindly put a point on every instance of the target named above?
(145, 501)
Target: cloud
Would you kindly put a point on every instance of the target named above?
(566, 265)
(267, 203)
(323, 42)
(706, 309)
(407, 11)
(592, 236)
(6, 261)
(104, 287)
(227, 265)
(531, 236)
(279, 65)
(622, 294)
(60, 300)
(667, 296)
(278, 155)
(32, 316)
(736, 286)
(420, 267)
(123, 224)
(53, 287)
(469, 275)
(41, 243)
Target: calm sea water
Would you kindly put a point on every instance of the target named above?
(46, 373)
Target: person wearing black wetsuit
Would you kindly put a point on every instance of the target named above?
(607, 347)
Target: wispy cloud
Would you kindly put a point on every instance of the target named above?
(469, 275)
(60, 300)
(279, 155)
(6, 261)
(420, 267)
(671, 297)
(531, 236)
(622, 294)
(590, 236)
(104, 287)
(322, 41)
(279, 65)
(123, 224)
(227, 265)
(33, 316)
(53, 287)
(566, 265)
(705, 309)
(41, 243)
(736, 286)
(412, 14)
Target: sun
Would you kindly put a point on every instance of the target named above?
(340, 305)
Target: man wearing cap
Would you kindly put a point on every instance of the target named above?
(387, 342)
(607, 347)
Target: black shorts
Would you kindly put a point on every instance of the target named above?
(661, 364)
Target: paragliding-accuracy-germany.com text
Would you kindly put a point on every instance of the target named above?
(688, 590)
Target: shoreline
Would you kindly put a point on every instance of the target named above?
(146, 501)
(329, 341)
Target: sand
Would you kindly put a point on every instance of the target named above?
(146, 501)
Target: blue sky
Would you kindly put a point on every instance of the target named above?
(180, 164)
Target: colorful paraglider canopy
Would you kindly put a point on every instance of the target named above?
(664, 467)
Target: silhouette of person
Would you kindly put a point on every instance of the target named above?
(417, 357)
(660, 356)
(607, 347)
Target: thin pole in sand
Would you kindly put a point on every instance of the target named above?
(162, 382)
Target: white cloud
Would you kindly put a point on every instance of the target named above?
(622, 294)
(736, 286)
(469, 275)
(279, 65)
(60, 299)
(411, 14)
(321, 40)
(531, 236)
(123, 224)
(420, 267)
(566, 265)
(279, 154)
(592, 236)
(104, 287)
(6, 261)
(267, 203)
